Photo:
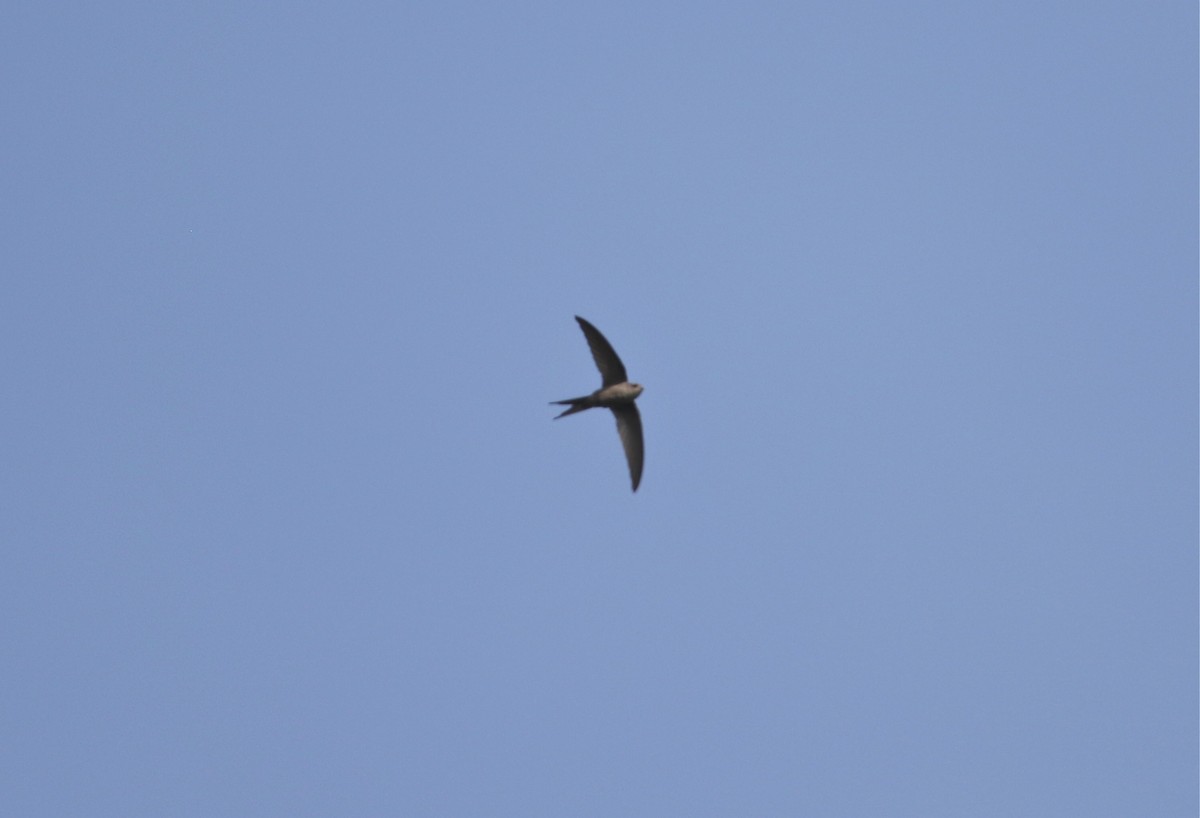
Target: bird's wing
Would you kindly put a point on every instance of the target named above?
(611, 369)
(629, 427)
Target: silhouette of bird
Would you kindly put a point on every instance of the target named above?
(615, 393)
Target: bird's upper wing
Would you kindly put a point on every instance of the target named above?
(611, 369)
(629, 427)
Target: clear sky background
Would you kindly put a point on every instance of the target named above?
(288, 529)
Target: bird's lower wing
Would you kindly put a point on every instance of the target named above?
(629, 427)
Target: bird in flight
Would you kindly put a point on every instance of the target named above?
(615, 393)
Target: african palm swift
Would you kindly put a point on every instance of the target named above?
(615, 393)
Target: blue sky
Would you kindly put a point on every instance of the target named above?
(288, 529)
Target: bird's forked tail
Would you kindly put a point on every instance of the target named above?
(576, 404)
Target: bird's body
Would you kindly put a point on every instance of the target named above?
(617, 394)
(609, 397)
